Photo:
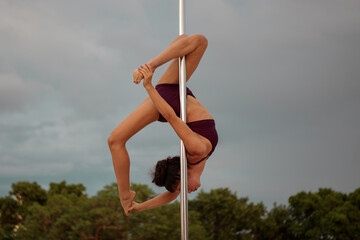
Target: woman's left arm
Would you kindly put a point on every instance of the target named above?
(194, 144)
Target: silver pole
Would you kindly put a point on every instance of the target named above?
(183, 161)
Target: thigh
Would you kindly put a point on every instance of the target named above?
(143, 115)
(171, 75)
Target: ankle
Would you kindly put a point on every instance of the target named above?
(126, 195)
(152, 65)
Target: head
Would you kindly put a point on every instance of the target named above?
(167, 173)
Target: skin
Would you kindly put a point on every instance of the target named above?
(197, 146)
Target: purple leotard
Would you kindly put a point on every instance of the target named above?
(170, 93)
(206, 128)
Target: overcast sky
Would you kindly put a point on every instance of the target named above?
(281, 78)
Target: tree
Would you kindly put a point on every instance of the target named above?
(27, 193)
(109, 220)
(353, 213)
(324, 215)
(224, 216)
(15, 207)
(164, 223)
(53, 214)
(63, 188)
(58, 219)
(276, 224)
(9, 217)
(66, 212)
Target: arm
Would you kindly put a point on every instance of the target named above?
(158, 201)
(194, 145)
(161, 105)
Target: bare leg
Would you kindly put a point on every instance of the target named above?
(181, 46)
(145, 114)
(193, 47)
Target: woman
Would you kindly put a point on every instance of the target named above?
(198, 134)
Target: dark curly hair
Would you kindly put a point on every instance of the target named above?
(167, 173)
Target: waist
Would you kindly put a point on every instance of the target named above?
(195, 111)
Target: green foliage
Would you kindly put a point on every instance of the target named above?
(27, 193)
(109, 220)
(325, 215)
(276, 224)
(66, 212)
(143, 192)
(164, 223)
(160, 223)
(63, 188)
(9, 217)
(58, 219)
(15, 207)
(225, 216)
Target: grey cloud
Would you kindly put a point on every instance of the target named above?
(14, 93)
(284, 86)
(13, 134)
(280, 77)
(81, 57)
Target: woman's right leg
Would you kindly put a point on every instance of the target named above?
(145, 114)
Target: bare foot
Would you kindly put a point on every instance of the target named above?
(137, 75)
(127, 202)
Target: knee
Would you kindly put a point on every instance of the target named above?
(116, 140)
(200, 39)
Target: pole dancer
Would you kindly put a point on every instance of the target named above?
(198, 133)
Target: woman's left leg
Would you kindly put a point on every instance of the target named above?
(145, 114)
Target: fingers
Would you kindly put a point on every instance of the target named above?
(145, 70)
(148, 68)
(142, 71)
(192, 190)
(132, 207)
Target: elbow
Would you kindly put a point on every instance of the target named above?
(197, 150)
(174, 196)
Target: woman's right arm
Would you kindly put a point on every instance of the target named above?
(158, 201)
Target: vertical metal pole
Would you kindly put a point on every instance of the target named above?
(183, 161)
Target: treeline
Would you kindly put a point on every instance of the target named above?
(66, 212)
